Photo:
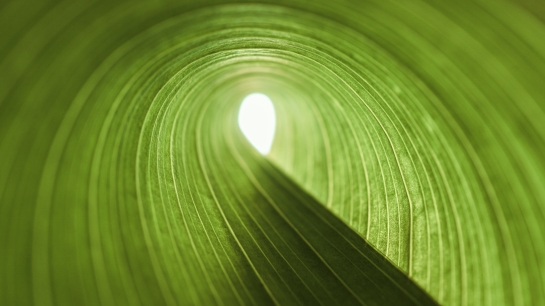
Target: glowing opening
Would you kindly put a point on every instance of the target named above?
(257, 121)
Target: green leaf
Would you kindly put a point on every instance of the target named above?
(407, 166)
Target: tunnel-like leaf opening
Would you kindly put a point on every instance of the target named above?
(257, 121)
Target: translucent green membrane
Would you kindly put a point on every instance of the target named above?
(407, 165)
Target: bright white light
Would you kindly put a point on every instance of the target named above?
(257, 120)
